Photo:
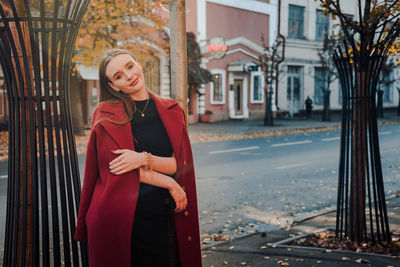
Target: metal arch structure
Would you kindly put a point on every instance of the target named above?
(361, 213)
(37, 38)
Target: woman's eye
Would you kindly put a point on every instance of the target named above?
(118, 77)
(130, 66)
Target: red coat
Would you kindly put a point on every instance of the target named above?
(108, 201)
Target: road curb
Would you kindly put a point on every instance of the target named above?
(295, 223)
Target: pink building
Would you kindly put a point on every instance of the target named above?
(237, 27)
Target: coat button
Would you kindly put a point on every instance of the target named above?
(186, 213)
(184, 163)
(189, 238)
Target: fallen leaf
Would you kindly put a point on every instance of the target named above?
(362, 260)
(263, 234)
(345, 258)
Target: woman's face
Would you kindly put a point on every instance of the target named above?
(126, 75)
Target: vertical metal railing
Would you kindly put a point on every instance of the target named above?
(37, 38)
(361, 207)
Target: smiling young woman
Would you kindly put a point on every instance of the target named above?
(138, 205)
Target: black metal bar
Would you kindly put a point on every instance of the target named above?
(38, 110)
(5, 59)
(358, 75)
(62, 73)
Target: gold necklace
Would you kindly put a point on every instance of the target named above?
(142, 111)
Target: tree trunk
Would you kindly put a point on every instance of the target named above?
(326, 114)
(398, 106)
(359, 158)
(76, 106)
(268, 118)
(24, 224)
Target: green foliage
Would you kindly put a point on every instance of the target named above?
(196, 74)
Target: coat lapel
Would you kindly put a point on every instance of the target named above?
(121, 134)
(171, 117)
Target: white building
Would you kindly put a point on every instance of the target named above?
(303, 25)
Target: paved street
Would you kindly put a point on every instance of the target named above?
(265, 183)
(261, 183)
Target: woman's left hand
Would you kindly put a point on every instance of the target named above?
(126, 161)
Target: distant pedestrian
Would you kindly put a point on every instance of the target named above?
(309, 107)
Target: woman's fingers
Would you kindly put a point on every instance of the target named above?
(181, 204)
(117, 164)
(117, 159)
(119, 151)
(118, 169)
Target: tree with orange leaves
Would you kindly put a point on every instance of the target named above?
(136, 25)
(366, 42)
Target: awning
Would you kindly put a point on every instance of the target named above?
(88, 73)
(243, 66)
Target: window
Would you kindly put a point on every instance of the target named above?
(296, 22)
(217, 94)
(322, 26)
(94, 96)
(387, 86)
(217, 87)
(257, 87)
(319, 86)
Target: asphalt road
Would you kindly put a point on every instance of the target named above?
(263, 183)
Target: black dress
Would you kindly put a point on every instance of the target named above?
(153, 235)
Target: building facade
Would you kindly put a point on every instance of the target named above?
(241, 30)
(304, 27)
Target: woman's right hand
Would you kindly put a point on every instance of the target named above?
(179, 197)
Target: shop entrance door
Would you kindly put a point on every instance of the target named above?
(238, 96)
(293, 90)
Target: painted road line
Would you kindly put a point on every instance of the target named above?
(234, 150)
(331, 139)
(292, 166)
(3, 176)
(390, 151)
(292, 143)
(384, 133)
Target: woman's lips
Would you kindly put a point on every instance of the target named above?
(135, 82)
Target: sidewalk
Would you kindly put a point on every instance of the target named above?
(253, 128)
(256, 251)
